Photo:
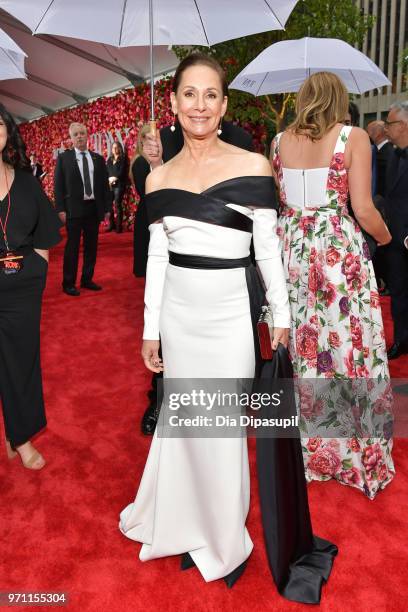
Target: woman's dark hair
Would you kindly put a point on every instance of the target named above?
(199, 59)
(354, 113)
(118, 144)
(14, 153)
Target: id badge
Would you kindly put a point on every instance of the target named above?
(10, 263)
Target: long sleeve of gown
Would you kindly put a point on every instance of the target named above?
(269, 261)
(157, 261)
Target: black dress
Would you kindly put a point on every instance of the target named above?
(140, 171)
(118, 170)
(32, 223)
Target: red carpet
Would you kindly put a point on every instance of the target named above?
(58, 528)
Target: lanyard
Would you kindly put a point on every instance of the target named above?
(4, 225)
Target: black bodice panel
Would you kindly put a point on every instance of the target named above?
(209, 206)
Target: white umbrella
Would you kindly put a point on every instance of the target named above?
(284, 66)
(126, 23)
(11, 58)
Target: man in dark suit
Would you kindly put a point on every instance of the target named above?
(396, 127)
(382, 149)
(159, 150)
(381, 153)
(82, 200)
(36, 168)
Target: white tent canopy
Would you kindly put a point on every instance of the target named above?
(63, 71)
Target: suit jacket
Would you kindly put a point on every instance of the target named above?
(69, 188)
(383, 156)
(397, 198)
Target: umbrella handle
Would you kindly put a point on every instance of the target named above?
(153, 127)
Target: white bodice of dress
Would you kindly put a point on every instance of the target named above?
(191, 237)
(188, 236)
(305, 187)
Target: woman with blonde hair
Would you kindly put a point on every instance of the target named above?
(140, 165)
(336, 324)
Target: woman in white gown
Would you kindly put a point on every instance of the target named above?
(194, 494)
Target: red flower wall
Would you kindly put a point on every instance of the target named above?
(128, 109)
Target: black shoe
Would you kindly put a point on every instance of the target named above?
(71, 290)
(397, 349)
(231, 579)
(149, 420)
(92, 286)
(187, 562)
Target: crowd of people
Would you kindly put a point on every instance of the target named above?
(213, 218)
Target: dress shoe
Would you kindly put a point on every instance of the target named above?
(31, 461)
(231, 578)
(187, 562)
(149, 420)
(71, 290)
(397, 349)
(91, 285)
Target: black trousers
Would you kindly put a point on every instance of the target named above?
(397, 279)
(88, 226)
(117, 196)
(20, 370)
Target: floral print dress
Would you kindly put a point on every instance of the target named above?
(337, 334)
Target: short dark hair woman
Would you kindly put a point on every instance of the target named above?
(117, 166)
(28, 228)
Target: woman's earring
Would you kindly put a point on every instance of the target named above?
(173, 127)
(219, 131)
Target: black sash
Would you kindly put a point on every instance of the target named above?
(300, 562)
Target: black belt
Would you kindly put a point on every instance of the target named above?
(207, 263)
(256, 292)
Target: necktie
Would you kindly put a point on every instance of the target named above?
(87, 177)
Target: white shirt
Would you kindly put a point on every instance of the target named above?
(79, 159)
(380, 146)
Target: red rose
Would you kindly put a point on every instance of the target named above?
(335, 221)
(351, 267)
(324, 461)
(306, 341)
(313, 444)
(362, 371)
(312, 256)
(330, 294)
(316, 277)
(332, 257)
(372, 457)
(374, 299)
(337, 162)
(349, 363)
(307, 224)
(314, 320)
(351, 476)
(354, 445)
(356, 333)
(334, 339)
(382, 472)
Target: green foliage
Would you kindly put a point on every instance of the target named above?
(319, 18)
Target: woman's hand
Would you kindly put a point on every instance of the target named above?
(153, 150)
(387, 240)
(280, 334)
(150, 355)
